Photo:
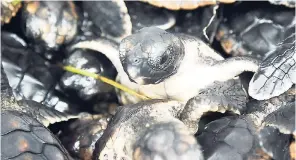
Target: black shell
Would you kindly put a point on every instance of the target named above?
(255, 32)
(231, 138)
(79, 137)
(144, 15)
(30, 76)
(50, 23)
(90, 61)
(22, 137)
(275, 143)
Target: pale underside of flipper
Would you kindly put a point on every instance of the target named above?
(277, 73)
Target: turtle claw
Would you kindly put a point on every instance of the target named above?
(219, 97)
(277, 73)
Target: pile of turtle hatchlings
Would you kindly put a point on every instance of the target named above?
(210, 80)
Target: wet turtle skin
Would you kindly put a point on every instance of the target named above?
(9, 8)
(79, 137)
(255, 32)
(184, 4)
(50, 23)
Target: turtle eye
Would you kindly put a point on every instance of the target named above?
(136, 61)
(163, 59)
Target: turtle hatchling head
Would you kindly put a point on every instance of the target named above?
(151, 55)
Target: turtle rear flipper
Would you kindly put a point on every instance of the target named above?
(277, 73)
(23, 137)
(219, 97)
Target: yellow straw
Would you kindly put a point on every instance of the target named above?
(104, 79)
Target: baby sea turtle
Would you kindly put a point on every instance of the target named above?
(50, 23)
(85, 87)
(30, 76)
(255, 32)
(202, 23)
(148, 130)
(23, 128)
(277, 73)
(118, 19)
(241, 137)
(266, 34)
(184, 4)
(9, 8)
(79, 137)
(162, 65)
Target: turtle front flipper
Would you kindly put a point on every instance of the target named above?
(219, 97)
(111, 17)
(277, 73)
(233, 67)
(171, 141)
(23, 137)
(46, 115)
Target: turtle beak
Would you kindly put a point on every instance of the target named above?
(134, 75)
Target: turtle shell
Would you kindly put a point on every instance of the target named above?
(9, 8)
(231, 138)
(50, 23)
(29, 75)
(22, 137)
(144, 15)
(287, 3)
(79, 137)
(255, 32)
(184, 4)
(85, 87)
